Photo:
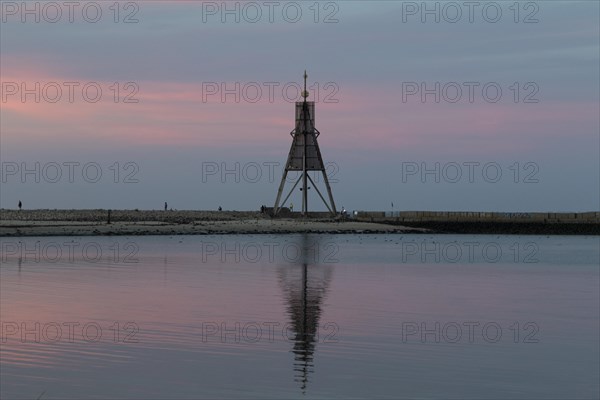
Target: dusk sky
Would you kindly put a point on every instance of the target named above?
(193, 111)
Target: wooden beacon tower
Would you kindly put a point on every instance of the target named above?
(305, 156)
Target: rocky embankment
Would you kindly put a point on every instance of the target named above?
(134, 222)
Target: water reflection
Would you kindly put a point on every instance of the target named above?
(305, 286)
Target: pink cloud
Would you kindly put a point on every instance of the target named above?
(175, 113)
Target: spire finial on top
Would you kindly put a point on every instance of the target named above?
(305, 92)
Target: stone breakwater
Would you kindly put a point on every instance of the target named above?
(177, 217)
(592, 217)
(586, 223)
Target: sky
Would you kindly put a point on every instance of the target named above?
(441, 106)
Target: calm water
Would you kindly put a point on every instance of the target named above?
(317, 316)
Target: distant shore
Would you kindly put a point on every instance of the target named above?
(146, 222)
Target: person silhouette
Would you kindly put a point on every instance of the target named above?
(20, 205)
(165, 206)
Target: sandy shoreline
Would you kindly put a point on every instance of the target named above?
(94, 222)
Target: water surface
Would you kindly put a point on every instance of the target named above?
(300, 316)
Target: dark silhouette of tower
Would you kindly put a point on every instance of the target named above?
(305, 156)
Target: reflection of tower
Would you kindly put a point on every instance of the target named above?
(305, 287)
(305, 156)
